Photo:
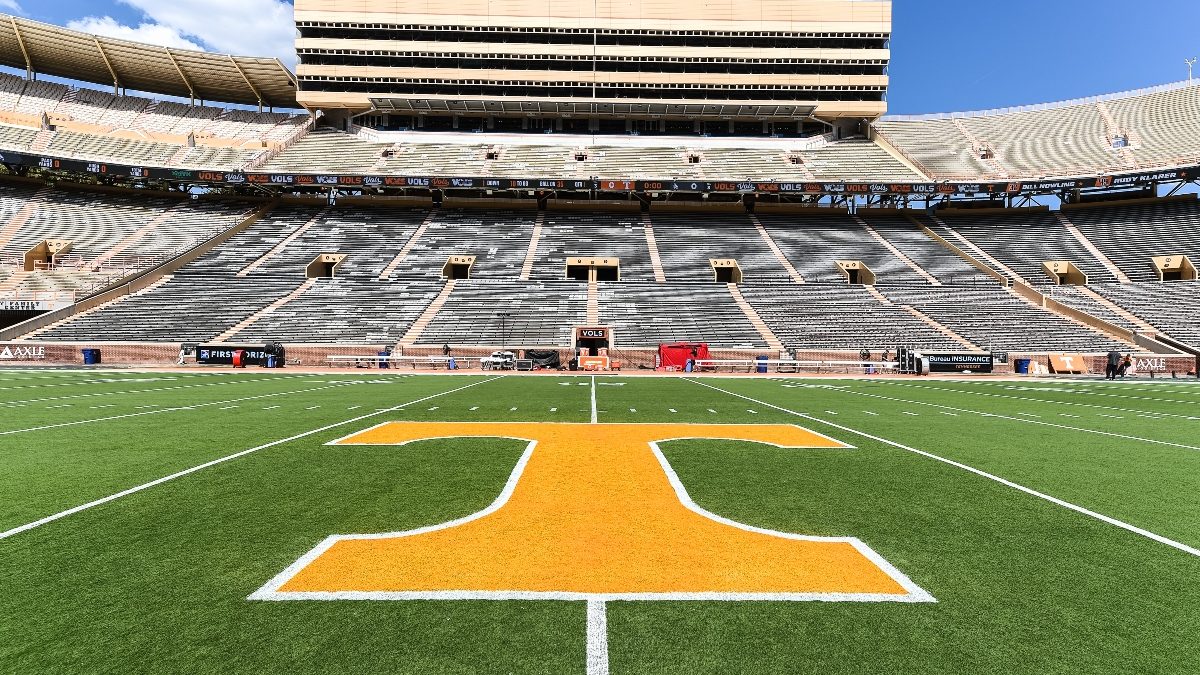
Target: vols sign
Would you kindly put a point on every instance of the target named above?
(1069, 364)
(592, 511)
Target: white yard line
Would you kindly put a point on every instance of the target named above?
(167, 410)
(141, 391)
(144, 486)
(1022, 420)
(1029, 491)
(597, 638)
(595, 415)
(1050, 401)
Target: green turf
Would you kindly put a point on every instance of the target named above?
(156, 581)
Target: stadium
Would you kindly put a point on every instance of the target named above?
(588, 337)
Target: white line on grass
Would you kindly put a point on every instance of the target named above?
(167, 410)
(1023, 420)
(1042, 400)
(979, 472)
(179, 474)
(597, 638)
(595, 415)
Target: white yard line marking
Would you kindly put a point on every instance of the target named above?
(752, 412)
(166, 410)
(950, 414)
(873, 414)
(513, 409)
(314, 407)
(911, 413)
(633, 410)
(712, 411)
(672, 410)
(1016, 486)
(597, 638)
(104, 500)
(1026, 421)
(271, 407)
(554, 410)
(1050, 401)
(143, 391)
(434, 408)
(595, 414)
(831, 412)
(228, 407)
(474, 408)
(354, 407)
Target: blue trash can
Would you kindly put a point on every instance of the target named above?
(383, 363)
(451, 365)
(1022, 366)
(91, 357)
(762, 363)
(270, 361)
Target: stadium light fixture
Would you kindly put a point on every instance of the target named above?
(1190, 62)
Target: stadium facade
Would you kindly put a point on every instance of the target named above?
(759, 67)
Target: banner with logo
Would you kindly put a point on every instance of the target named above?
(958, 363)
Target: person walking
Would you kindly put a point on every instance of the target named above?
(1113, 363)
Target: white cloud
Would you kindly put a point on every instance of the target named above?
(12, 6)
(150, 33)
(242, 27)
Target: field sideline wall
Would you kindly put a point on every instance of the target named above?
(632, 360)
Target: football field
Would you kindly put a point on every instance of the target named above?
(378, 522)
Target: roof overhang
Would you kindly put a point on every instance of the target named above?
(52, 50)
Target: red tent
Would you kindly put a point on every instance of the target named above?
(678, 353)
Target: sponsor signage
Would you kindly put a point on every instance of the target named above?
(957, 363)
(1067, 364)
(602, 184)
(22, 353)
(24, 306)
(222, 355)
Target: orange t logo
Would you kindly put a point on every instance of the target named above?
(592, 512)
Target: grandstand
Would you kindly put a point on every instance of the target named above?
(804, 225)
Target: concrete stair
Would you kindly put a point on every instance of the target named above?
(414, 331)
(248, 321)
(897, 252)
(284, 243)
(1091, 248)
(969, 247)
(593, 304)
(137, 236)
(787, 264)
(407, 248)
(531, 252)
(761, 326)
(1120, 311)
(652, 245)
(944, 330)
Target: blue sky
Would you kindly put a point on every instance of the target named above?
(947, 55)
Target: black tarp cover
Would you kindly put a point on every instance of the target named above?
(544, 358)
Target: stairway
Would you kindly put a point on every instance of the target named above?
(407, 248)
(531, 253)
(787, 264)
(1091, 248)
(968, 246)
(998, 168)
(897, 252)
(593, 304)
(943, 329)
(652, 245)
(414, 331)
(761, 326)
(138, 235)
(284, 243)
(248, 321)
